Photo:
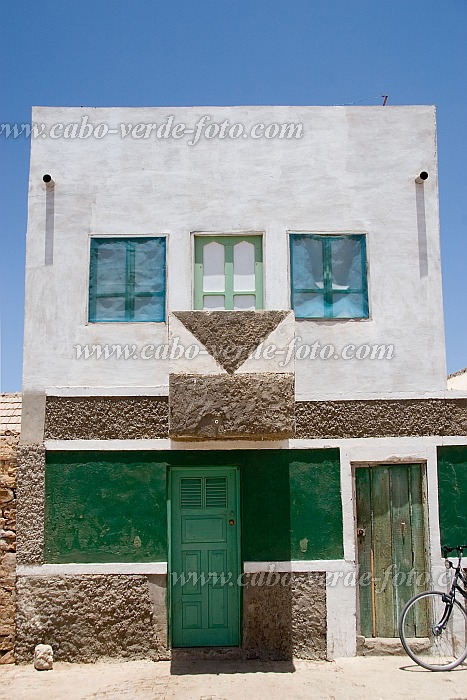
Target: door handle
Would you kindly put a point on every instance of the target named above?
(361, 533)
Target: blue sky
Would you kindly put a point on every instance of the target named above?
(214, 52)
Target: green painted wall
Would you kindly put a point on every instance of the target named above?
(290, 496)
(105, 507)
(112, 506)
(452, 494)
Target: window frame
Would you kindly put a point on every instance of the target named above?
(327, 291)
(228, 241)
(129, 294)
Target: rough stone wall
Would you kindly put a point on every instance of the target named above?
(106, 418)
(122, 417)
(284, 615)
(239, 406)
(31, 493)
(380, 418)
(8, 463)
(230, 336)
(88, 617)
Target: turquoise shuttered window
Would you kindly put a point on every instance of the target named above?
(127, 279)
(328, 276)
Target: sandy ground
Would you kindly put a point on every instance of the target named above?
(374, 677)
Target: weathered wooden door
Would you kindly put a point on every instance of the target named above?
(204, 566)
(391, 551)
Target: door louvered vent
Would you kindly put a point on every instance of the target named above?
(191, 493)
(216, 492)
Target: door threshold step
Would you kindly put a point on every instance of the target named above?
(208, 652)
(225, 653)
(379, 646)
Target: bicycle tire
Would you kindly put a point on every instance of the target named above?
(442, 651)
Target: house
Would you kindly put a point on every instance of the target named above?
(235, 414)
(10, 427)
(458, 380)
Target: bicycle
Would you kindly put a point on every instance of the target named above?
(433, 624)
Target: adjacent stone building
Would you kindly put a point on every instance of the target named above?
(10, 426)
(235, 414)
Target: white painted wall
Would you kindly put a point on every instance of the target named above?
(353, 170)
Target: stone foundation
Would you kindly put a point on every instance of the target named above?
(95, 616)
(31, 494)
(8, 464)
(84, 618)
(285, 615)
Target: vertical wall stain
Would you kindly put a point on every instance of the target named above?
(49, 225)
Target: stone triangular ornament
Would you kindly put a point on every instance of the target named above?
(230, 336)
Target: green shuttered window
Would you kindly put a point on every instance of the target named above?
(127, 279)
(228, 273)
(328, 276)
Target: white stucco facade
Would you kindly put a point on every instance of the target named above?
(353, 170)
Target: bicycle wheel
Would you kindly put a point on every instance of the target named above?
(432, 647)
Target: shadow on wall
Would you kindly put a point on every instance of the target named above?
(284, 613)
(266, 536)
(421, 228)
(284, 616)
(49, 226)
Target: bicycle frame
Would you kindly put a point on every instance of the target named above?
(446, 616)
(459, 575)
(450, 597)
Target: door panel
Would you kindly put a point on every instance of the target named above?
(390, 542)
(381, 500)
(401, 532)
(365, 551)
(203, 529)
(420, 628)
(205, 557)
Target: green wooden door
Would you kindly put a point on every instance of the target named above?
(391, 552)
(204, 570)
